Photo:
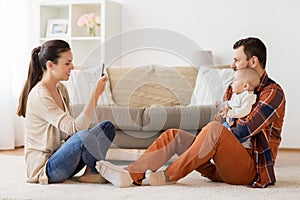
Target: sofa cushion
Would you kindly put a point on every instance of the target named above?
(152, 84)
(134, 139)
(125, 118)
(159, 117)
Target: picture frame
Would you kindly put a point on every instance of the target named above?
(57, 27)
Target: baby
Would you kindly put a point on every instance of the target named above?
(243, 97)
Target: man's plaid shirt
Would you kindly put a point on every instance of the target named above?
(264, 126)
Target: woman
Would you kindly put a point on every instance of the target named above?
(57, 146)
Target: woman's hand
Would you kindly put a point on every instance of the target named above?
(90, 107)
(100, 86)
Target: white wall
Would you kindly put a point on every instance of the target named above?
(216, 25)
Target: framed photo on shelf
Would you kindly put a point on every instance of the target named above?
(57, 27)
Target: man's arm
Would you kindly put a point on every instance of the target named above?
(270, 100)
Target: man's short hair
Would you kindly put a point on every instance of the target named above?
(253, 47)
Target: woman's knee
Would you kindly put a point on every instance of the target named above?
(109, 125)
(109, 129)
(105, 127)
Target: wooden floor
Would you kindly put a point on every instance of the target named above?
(286, 157)
(17, 151)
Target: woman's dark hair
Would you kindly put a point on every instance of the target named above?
(253, 47)
(48, 51)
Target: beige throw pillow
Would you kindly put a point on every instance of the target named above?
(142, 86)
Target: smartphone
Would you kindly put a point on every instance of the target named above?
(102, 71)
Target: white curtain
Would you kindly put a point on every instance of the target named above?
(17, 40)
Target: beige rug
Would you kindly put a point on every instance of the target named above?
(13, 186)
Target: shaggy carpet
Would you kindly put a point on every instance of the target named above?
(193, 186)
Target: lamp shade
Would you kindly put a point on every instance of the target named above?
(203, 57)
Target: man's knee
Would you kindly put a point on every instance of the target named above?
(215, 124)
(170, 132)
(214, 129)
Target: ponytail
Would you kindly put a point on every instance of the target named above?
(35, 73)
(50, 50)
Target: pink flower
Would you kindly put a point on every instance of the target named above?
(90, 20)
(92, 16)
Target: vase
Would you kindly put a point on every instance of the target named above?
(91, 31)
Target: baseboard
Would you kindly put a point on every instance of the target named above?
(115, 154)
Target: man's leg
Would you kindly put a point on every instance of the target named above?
(171, 142)
(209, 170)
(233, 162)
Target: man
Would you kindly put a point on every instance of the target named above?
(232, 163)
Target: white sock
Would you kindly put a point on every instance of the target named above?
(119, 177)
(159, 178)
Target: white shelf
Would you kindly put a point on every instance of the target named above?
(81, 44)
(86, 38)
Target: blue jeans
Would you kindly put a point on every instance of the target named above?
(85, 147)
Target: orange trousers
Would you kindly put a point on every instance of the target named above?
(232, 163)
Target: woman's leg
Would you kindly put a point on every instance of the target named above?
(72, 156)
(233, 163)
(97, 143)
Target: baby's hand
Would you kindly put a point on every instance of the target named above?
(223, 112)
(218, 104)
(228, 119)
(220, 117)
